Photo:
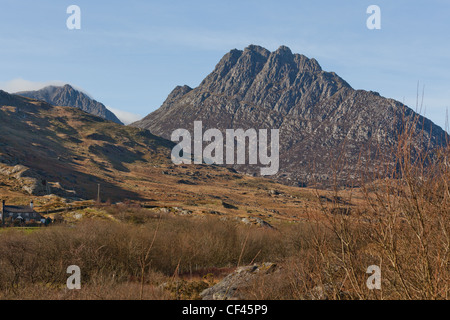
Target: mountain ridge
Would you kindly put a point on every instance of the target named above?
(67, 96)
(65, 151)
(320, 116)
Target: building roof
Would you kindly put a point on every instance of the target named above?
(18, 209)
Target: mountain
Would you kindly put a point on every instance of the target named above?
(324, 123)
(65, 151)
(67, 96)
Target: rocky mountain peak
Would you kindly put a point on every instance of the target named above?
(177, 93)
(67, 96)
(283, 51)
(257, 49)
(321, 118)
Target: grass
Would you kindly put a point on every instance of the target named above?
(119, 253)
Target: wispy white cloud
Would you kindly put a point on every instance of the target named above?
(124, 116)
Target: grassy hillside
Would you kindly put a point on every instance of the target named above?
(72, 151)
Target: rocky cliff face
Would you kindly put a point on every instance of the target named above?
(67, 96)
(323, 121)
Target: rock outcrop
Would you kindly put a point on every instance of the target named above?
(325, 125)
(228, 288)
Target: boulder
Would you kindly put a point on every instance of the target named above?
(228, 288)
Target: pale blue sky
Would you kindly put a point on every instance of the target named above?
(131, 54)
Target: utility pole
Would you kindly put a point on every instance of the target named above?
(3, 213)
(98, 193)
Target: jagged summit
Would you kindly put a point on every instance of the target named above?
(258, 49)
(321, 118)
(67, 96)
